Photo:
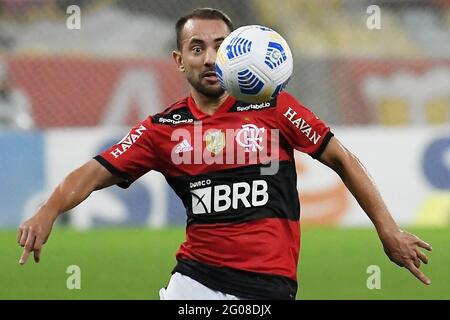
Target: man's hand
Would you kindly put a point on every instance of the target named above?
(74, 189)
(401, 247)
(32, 235)
(404, 249)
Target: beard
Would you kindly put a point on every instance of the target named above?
(210, 91)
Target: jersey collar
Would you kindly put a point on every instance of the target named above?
(224, 107)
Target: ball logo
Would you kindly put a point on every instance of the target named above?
(275, 55)
(176, 117)
(250, 137)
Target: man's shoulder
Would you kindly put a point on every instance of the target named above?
(182, 103)
(285, 98)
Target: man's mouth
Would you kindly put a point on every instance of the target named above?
(210, 76)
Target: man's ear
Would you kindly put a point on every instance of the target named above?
(176, 55)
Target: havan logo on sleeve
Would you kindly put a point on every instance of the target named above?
(124, 144)
(302, 125)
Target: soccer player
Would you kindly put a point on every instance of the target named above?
(243, 230)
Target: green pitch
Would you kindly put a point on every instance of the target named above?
(135, 263)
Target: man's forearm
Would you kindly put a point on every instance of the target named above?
(75, 188)
(361, 185)
(67, 195)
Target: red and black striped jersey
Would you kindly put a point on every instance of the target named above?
(235, 174)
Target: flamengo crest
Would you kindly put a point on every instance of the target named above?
(250, 137)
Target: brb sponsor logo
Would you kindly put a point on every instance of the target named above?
(218, 198)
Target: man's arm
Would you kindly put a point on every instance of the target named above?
(401, 247)
(73, 190)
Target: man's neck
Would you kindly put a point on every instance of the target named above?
(206, 104)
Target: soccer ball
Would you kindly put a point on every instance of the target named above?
(254, 64)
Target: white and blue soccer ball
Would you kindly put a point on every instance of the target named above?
(254, 64)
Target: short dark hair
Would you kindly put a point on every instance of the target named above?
(201, 13)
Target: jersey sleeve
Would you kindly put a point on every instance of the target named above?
(131, 157)
(303, 130)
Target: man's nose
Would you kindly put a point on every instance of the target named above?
(210, 57)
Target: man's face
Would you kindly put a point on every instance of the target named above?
(200, 40)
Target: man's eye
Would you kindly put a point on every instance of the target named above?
(196, 50)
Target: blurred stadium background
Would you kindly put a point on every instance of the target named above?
(65, 95)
